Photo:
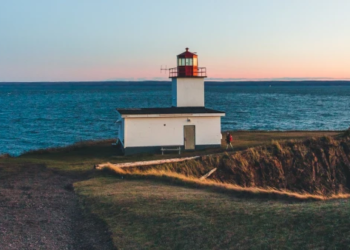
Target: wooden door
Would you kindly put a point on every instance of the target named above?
(189, 137)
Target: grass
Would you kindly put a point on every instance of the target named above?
(94, 152)
(148, 212)
(247, 139)
(318, 166)
(171, 176)
(145, 214)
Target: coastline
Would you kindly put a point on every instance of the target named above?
(85, 143)
(242, 139)
(110, 201)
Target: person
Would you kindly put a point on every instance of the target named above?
(228, 140)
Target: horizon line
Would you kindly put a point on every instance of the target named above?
(285, 79)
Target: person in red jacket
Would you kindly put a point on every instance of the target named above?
(228, 140)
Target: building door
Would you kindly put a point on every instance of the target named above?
(189, 137)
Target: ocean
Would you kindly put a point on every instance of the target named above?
(42, 115)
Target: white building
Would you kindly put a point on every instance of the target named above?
(187, 124)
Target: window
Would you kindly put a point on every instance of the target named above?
(195, 61)
(183, 62)
(188, 61)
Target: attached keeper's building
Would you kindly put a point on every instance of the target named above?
(188, 124)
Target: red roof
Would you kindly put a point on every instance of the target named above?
(187, 54)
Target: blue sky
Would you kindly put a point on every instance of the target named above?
(129, 40)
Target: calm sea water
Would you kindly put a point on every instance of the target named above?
(41, 115)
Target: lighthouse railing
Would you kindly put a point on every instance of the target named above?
(187, 72)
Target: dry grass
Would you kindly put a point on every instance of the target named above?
(80, 157)
(278, 147)
(247, 139)
(221, 187)
(317, 166)
(103, 151)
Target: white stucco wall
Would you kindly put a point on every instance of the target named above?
(150, 131)
(188, 92)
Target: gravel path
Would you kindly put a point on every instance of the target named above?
(39, 210)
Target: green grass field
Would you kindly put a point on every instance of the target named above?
(144, 213)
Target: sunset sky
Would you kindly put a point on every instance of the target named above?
(89, 40)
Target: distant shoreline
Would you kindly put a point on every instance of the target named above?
(168, 83)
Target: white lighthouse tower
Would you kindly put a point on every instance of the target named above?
(187, 81)
(187, 125)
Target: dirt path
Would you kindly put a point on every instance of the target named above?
(39, 210)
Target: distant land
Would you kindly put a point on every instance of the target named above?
(209, 83)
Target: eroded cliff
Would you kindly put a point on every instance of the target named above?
(317, 166)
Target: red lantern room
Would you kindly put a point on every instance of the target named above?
(187, 66)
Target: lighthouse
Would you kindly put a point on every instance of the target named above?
(186, 125)
(187, 81)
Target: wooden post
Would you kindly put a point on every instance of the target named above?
(208, 174)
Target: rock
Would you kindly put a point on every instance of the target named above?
(4, 156)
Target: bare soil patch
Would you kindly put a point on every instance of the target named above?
(39, 210)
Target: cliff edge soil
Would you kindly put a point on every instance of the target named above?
(316, 166)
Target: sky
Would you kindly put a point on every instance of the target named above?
(89, 40)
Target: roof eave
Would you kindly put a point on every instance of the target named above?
(172, 115)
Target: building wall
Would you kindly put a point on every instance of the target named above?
(188, 92)
(120, 128)
(165, 131)
(121, 131)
